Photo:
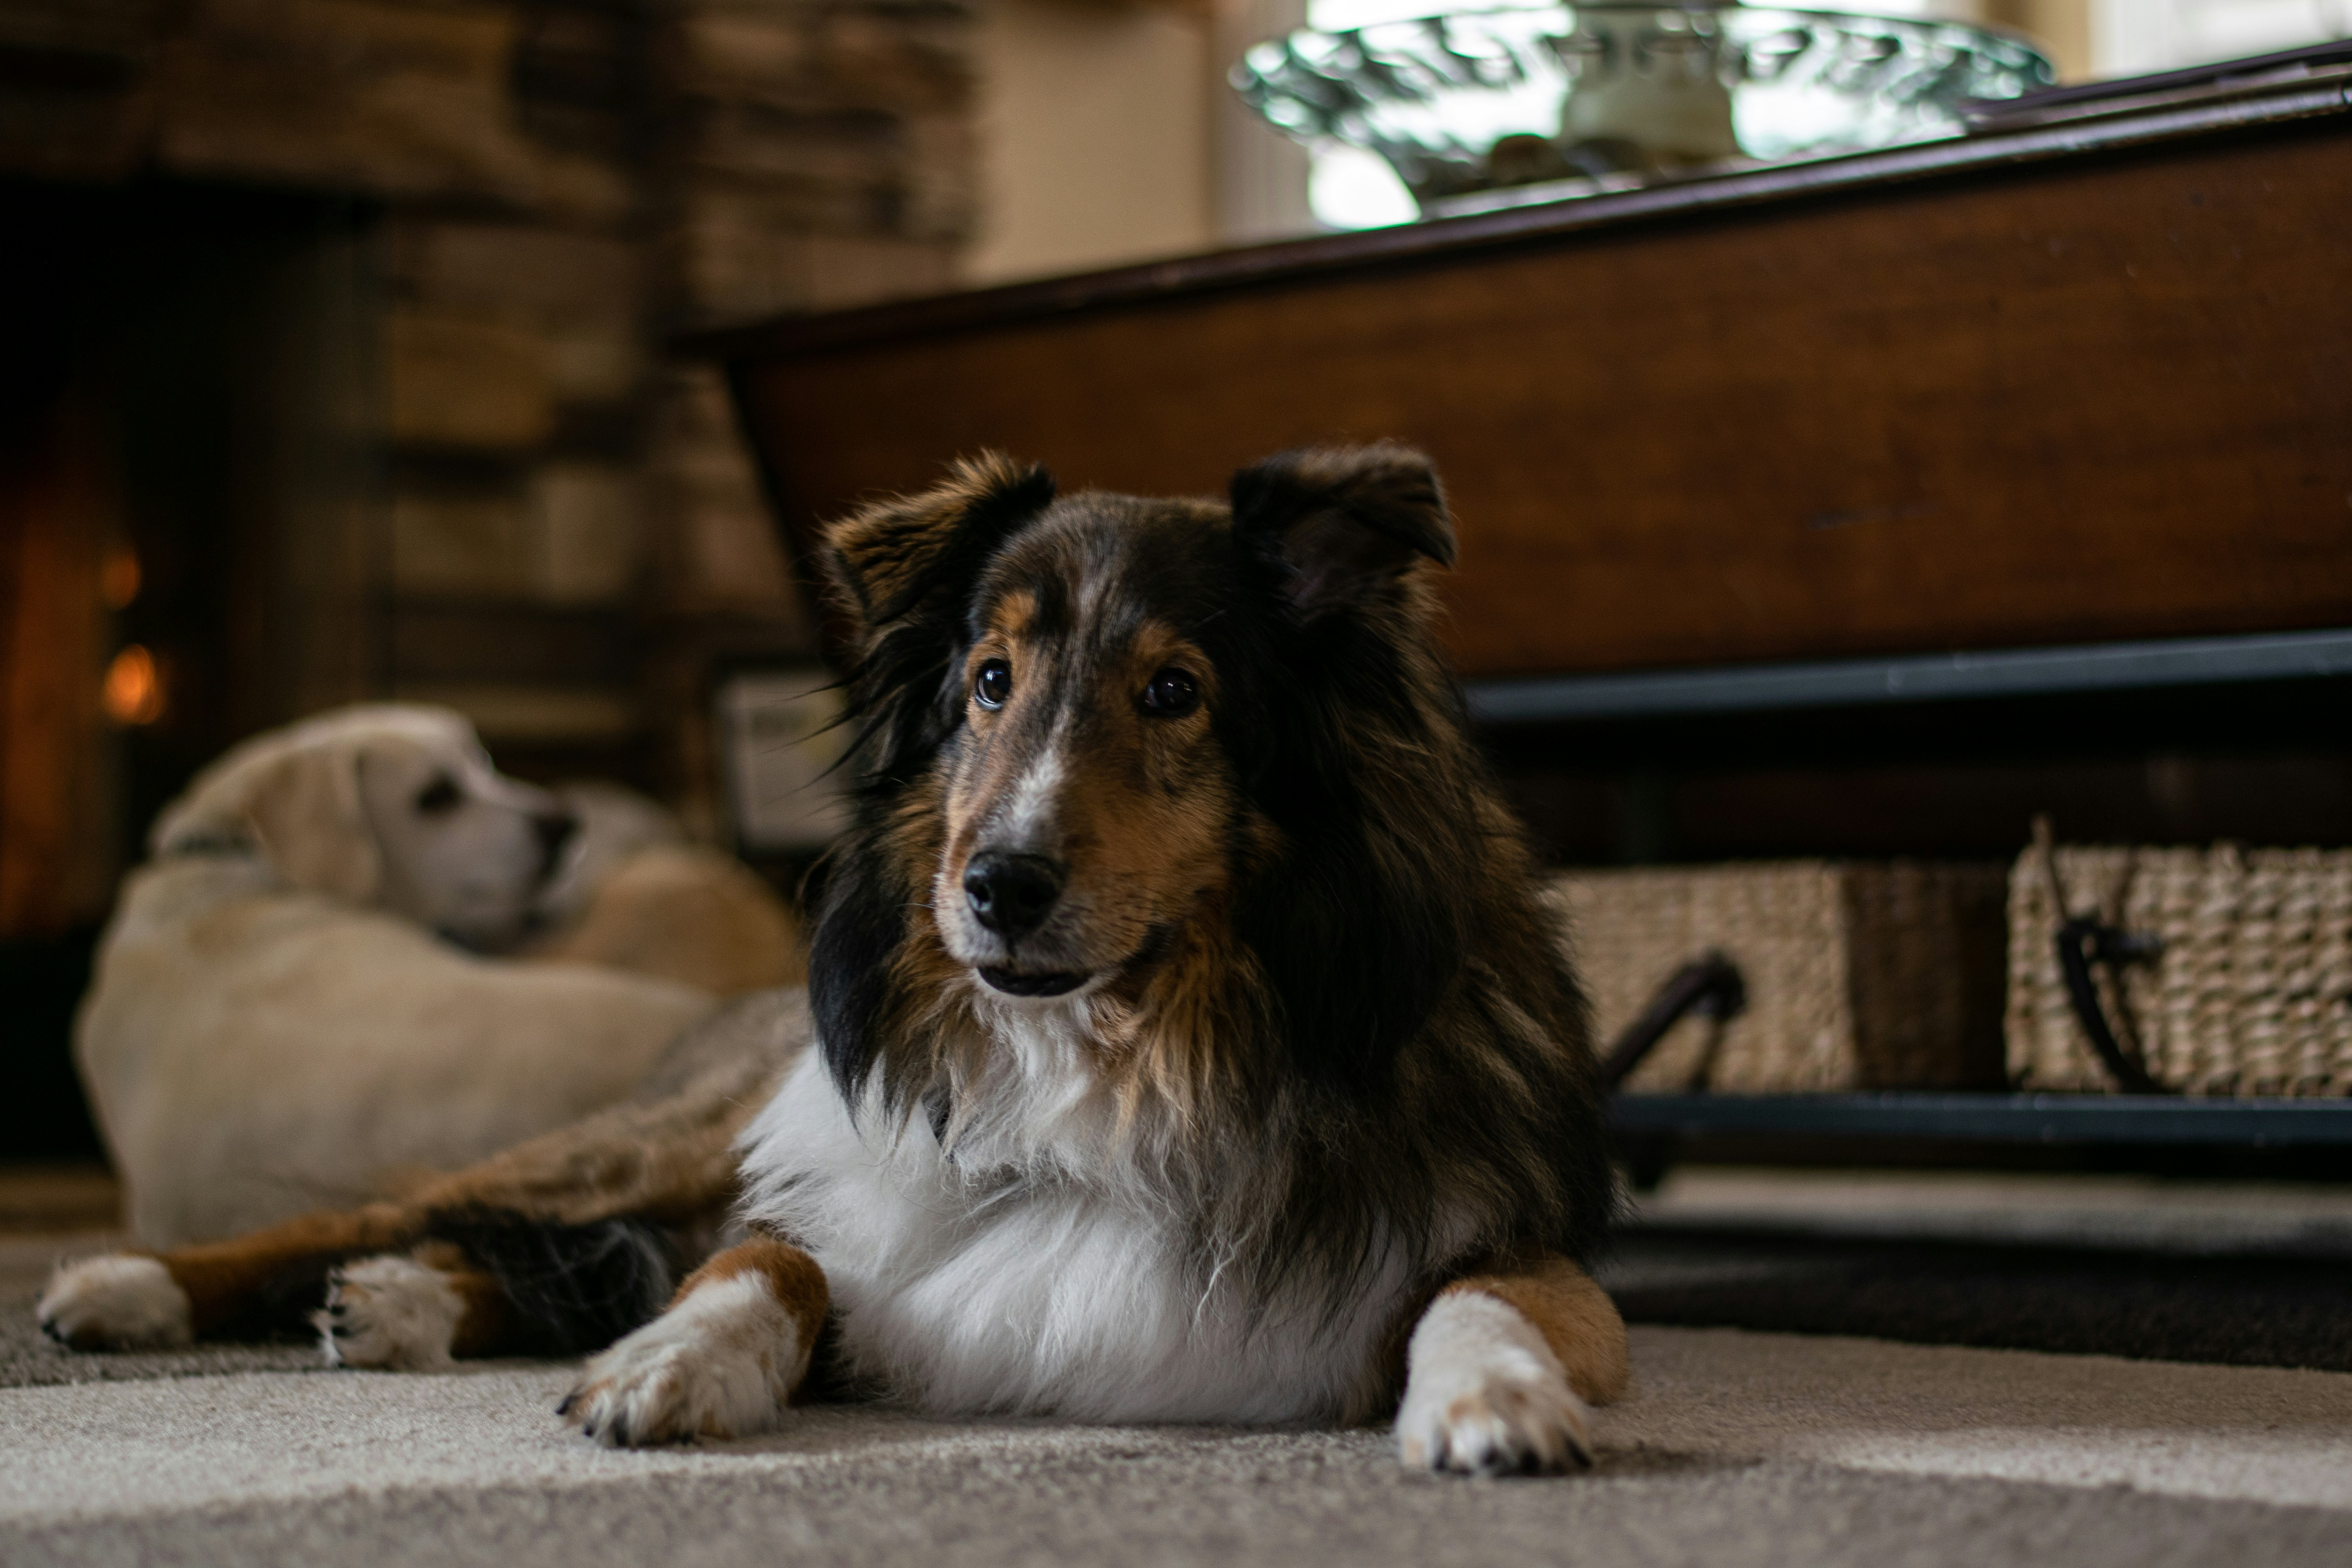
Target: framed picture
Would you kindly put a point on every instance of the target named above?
(781, 736)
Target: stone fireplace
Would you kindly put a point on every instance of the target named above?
(332, 366)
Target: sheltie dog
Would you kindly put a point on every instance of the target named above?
(1190, 1043)
(1185, 1039)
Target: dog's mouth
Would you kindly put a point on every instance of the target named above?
(1061, 983)
(1015, 984)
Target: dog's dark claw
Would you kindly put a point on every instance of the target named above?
(569, 1401)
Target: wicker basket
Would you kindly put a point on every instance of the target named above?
(1859, 974)
(2250, 994)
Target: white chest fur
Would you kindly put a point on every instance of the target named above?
(1036, 1295)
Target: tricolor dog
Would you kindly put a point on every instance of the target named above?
(1190, 1043)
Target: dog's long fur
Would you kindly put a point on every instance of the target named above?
(1279, 1104)
(1315, 1054)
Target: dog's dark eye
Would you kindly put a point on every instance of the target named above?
(1172, 694)
(438, 796)
(993, 684)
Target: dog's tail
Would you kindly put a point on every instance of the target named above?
(575, 1289)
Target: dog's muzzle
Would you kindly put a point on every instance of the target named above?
(1011, 895)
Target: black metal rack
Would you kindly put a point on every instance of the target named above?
(2291, 665)
(2146, 1119)
(1918, 678)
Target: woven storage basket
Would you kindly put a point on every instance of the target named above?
(1859, 974)
(2252, 992)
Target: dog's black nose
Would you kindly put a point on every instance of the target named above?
(1010, 894)
(555, 829)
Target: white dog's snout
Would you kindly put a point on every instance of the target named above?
(1030, 820)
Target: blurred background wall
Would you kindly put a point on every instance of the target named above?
(1107, 134)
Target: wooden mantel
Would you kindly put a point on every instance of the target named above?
(2057, 386)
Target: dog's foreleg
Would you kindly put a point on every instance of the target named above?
(723, 1362)
(415, 1312)
(122, 1301)
(1504, 1367)
(134, 1300)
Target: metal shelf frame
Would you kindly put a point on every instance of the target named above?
(2119, 1118)
(1915, 677)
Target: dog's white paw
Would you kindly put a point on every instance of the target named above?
(116, 1302)
(720, 1364)
(390, 1313)
(1485, 1395)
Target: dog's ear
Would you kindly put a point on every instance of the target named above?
(305, 812)
(1350, 521)
(913, 557)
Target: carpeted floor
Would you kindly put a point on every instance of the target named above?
(1736, 1447)
(1813, 1448)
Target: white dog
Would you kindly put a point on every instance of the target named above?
(284, 1015)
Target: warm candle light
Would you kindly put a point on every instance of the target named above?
(133, 692)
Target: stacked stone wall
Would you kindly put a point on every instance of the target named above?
(558, 187)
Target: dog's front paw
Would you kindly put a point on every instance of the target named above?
(720, 1364)
(391, 1313)
(117, 1302)
(1487, 1397)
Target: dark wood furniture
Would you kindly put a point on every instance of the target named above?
(2059, 386)
(2011, 424)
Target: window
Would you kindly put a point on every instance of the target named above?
(2132, 36)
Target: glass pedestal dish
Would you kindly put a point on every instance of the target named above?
(1477, 107)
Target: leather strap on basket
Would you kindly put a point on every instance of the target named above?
(2083, 940)
(1709, 984)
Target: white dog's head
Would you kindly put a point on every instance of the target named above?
(388, 805)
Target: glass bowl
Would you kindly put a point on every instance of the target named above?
(1609, 96)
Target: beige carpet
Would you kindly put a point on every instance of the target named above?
(1736, 1447)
